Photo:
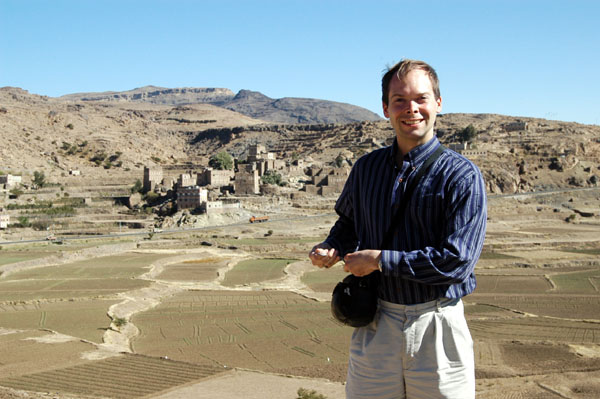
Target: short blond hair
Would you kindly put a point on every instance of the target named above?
(401, 69)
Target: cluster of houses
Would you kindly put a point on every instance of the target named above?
(7, 182)
(195, 190)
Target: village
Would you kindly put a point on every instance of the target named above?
(215, 186)
(211, 186)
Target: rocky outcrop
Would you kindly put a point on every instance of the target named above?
(159, 95)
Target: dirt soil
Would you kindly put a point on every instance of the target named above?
(526, 347)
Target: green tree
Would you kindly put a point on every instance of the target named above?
(468, 134)
(221, 161)
(137, 187)
(272, 177)
(39, 179)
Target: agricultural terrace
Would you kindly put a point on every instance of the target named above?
(21, 253)
(534, 315)
(84, 319)
(272, 331)
(121, 377)
(204, 269)
(255, 271)
(91, 278)
(31, 350)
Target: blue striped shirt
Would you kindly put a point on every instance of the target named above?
(437, 242)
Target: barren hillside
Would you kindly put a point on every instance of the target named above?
(105, 139)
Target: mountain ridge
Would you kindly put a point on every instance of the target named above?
(247, 102)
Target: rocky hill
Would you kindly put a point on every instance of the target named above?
(246, 102)
(112, 140)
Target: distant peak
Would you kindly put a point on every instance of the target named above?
(249, 94)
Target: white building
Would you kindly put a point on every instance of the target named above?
(4, 220)
(10, 180)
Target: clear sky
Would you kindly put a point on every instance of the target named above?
(512, 57)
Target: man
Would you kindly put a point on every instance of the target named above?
(419, 345)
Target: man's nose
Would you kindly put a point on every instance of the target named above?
(412, 107)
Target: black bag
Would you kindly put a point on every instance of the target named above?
(354, 299)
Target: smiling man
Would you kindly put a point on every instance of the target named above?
(418, 345)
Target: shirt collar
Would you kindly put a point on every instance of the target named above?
(417, 155)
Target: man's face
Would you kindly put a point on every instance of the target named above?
(412, 109)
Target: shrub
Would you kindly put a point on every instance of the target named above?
(73, 150)
(98, 158)
(119, 321)
(16, 192)
(39, 179)
(304, 393)
(24, 221)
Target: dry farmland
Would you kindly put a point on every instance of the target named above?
(144, 319)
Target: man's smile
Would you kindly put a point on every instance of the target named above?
(412, 122)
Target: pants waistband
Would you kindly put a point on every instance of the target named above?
(419, 307)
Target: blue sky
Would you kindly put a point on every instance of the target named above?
(519, 58)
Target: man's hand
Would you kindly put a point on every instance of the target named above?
(323, 255)
(362, 263)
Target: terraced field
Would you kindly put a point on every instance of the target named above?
(190, 313)
(121, 377)
(270, 331)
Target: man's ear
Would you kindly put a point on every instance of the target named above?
(385, 109)
(439, 104)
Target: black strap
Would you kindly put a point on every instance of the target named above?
(408, 193)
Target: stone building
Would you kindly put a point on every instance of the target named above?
(191, 197)
(186, 179)
(152, 177)
(215, 178)
(247, 180)
(327, 181)
(215, 207)
(466, 150)
(257, 154)
(515, 126)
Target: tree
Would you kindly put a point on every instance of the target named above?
(137, 187)
(468, 134)
(272, 177)
(39, 179)
(221, 161)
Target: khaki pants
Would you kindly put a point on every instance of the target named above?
(422, 351)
